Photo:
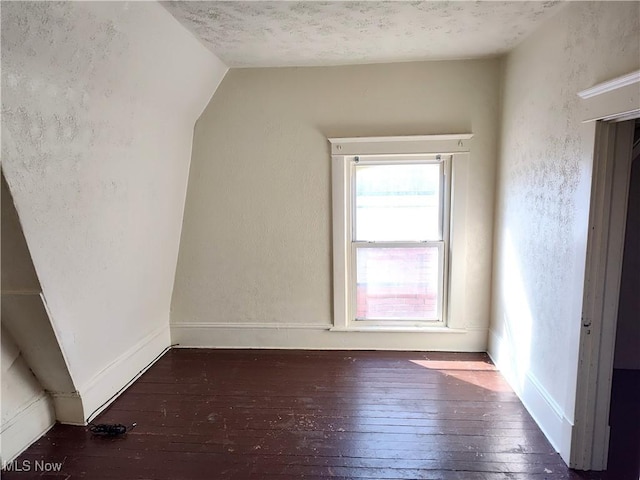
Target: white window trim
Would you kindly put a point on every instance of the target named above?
(342, 152)
(444, 163)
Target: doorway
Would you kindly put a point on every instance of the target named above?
(624, 416)
(605, 246)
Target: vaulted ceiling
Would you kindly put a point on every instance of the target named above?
(307, 33)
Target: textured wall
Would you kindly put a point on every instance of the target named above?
(544, 189)
(256, 241)
(99, 101)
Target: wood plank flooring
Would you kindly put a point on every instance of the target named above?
(263, 414)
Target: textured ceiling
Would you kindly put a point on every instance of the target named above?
(282, 33)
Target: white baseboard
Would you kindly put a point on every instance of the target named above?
(98, 393)
(69, 409)
(546, 412)
(318, 337)
(26, 426)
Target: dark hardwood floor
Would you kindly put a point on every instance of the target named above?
(220, 414)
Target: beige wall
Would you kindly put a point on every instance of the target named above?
(256, 240)
(26, 321)
(542, 210)
(27, 410)
(99, 102)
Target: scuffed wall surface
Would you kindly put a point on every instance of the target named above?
(256, 241)
(19, 386)
(27, 411)
(23, 311)
(544, 187)
(99, 102)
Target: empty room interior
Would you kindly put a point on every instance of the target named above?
(368, 240)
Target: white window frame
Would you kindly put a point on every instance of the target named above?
(444, 161)
(454, 152)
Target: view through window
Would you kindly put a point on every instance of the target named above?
(398, 238)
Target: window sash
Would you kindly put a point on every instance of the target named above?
(395, 160)
(353, 282)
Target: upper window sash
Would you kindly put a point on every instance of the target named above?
(391, 161)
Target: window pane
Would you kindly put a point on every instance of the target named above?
(397, 283)
(397, 202)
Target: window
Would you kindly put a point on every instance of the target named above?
(392, 231)
(398, 240)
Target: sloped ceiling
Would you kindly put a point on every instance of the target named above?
(308, 33)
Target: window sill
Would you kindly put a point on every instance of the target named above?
(398, 329)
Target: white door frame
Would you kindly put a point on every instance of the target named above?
(609, 104)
